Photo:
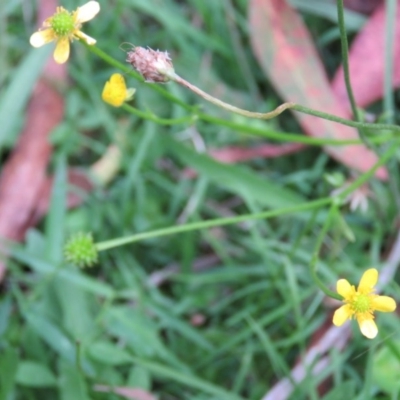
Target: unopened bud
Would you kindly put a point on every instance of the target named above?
(153, 65)
(81, 250)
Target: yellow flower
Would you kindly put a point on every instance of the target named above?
(63, 27)
(115, 91)
(361, 303)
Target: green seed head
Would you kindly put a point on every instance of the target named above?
(81, 250)
(62, 23)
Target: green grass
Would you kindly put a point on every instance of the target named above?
(239, 308)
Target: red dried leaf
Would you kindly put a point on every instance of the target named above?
(367, 61)
(284, 48)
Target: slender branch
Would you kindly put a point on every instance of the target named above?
(283, 107)
(229, 107)
(345, 58)
(212, 223)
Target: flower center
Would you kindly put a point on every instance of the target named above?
(63, 23)
(361, 303)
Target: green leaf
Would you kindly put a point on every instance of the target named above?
(8, 370)
(34, 374)
(18, 92)
(56, 217)
(345, 390)
(236, 179)
(108, 353)
(5, 311)
(72, 385)
(386, 367)
(139, 377)
(86, 283)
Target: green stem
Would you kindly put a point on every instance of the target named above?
(367, 175)
(345, 58)
(333, 210)
(343, 121)
(212, 223)
(388, 99)
(317, 249)
(162, 121)
(346, 71)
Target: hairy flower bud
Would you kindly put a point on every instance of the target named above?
(153, 65)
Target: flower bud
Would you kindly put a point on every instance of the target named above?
(81, 250)
(153, 65)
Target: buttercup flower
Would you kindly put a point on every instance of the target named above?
(115, 91)
(362, 303)
(63, 27)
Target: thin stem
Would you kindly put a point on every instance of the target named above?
(162, 121)
(345, 58)
(354, 124)
(212, 223)
(317, 249)
(346, 71)
(367, 175)
(268, 115)
(388, 99)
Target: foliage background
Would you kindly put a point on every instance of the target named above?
(212, 314)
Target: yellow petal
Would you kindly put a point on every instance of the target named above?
(61, 52)
(384, 304)
(341, 315)
(40, 38)
(114, 91)
(343, 287)
(89, 40)
(368, 280)
(368, 328)
(87, 12)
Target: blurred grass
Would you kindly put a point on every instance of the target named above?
(229, 329)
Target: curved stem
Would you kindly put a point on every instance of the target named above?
(285, 106)
(229, 107)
